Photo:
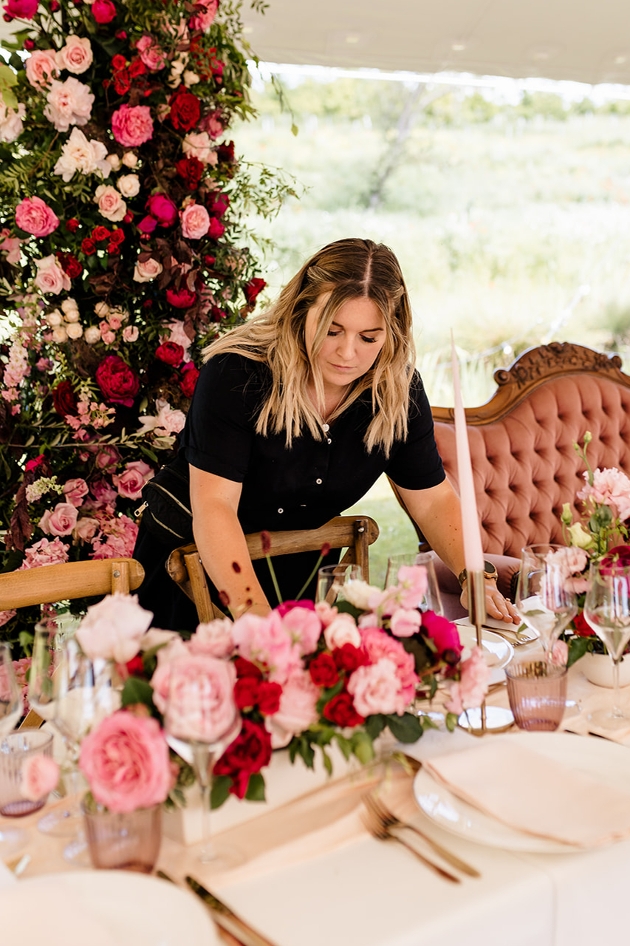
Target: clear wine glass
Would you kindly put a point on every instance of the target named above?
(543, 600)
(201, 713)
(607, 611)
(431, 601)
(12, 839)
(332, 578)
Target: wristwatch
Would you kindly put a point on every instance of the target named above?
(489, 571)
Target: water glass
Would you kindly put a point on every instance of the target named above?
(431, 601)
(15, 749)
(537, 691)
(544, 600)
(123, 841)
(332, 578)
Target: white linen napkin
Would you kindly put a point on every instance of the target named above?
(534, 793)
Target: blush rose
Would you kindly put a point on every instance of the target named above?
(35, 216)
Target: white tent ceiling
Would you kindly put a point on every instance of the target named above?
(583, 40)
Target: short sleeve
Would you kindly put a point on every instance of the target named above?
(415, 462)
(219, 429)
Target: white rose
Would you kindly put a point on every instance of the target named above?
(74, 330)
(147, 271)
(92, 334)
(54, 318)
(359, 593)
(191, 78)
(342, 630)
(76, 56)
(110, 203)
(72, 315)
(101, 309)
(69, 305)
(129, 159)
(128, 185)
(59, 334)
(79, 154)
(114, 162)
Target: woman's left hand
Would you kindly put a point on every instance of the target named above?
(497, 606)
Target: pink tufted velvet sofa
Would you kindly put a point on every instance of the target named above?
(521, 444)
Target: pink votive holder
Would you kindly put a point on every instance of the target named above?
(15, 749)
(537, 692)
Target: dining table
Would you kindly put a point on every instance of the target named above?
(307, 871)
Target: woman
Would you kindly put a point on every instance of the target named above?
(295, 415)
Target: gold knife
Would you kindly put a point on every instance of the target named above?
(224, 917)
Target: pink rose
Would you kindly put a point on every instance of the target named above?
(376, 689)
(69, 103)
(132, 125)
(126, 762)
(303, 627)
(442, 632)
(147, 271)
(205, 12)
(175, 650)
(112, 629)
(342, 630)
(76, 56)
(405, 622)
(265, 640)
(61, 521)
(130, 483)
(50, 276)
(298, 708)
(201, 699)
(103, 11)
(378, 644)
(85, 529)
(214, 638)
(21, 9)
(110, 203)
(75, 491)
(107, 459)
(35, 216)
(326, 613)
(195, 222)
(38, 777)
(11, 246)
(473, 685)
(130, 333)
(213, 124)
(41, 67)
(150, 53)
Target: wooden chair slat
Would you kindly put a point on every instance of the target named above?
(50, 583)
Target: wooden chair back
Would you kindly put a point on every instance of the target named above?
(51, 583)
(354, 533)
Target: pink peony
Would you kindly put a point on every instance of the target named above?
(376, 689)
(214, 638)
(50, 276)
(35, 216)
(342, 630)
(298, 708)
(201, 703)
(265, 640)
(473, 685)
(38, 777)
(405, 622)
(442, 632)
(75, 491)
(175, 650)
(61, 521)
(69, 103)
(130, 483)
(132, 125)
(41, 67)
(76, 56)
(45, 552)
(303, 627)
(126, 762)
(112, 629)
(150, 53)
(195, 222)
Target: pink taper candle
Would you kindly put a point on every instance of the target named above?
(473, 552)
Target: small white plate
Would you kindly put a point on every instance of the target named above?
(608, 761)
(103, 908)
(497, 651)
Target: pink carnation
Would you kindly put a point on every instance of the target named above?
(38, 777)
(132, 125)
(69, 103)
(610, 487)
(126, 762)
(298, 708)
(61, 521)
(378, 644)
(35, 216)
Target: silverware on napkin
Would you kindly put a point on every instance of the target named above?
(224, 917)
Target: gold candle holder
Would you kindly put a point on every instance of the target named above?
(483, 719)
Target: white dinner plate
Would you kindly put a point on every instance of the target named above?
(102, 908)
(497, 651)
(608, 761)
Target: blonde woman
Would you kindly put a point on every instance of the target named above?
(295, 415)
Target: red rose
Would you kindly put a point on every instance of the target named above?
(135, 666)
(340, 711)
(252, 288)
(216, 314)
(225, 153)
(117, 236)
(185, 109)
(103, 11)
(216, 229)
(250, 751)
(122, 82)
(72, 225)
(582, 627)
(189, 380)
(100, 233)
(88, 246)
(118, 62)
(323, 671)
(113, 249)
(20, 9)
(64, 398)
(117, 381)
(137, 68)
(70, 264)
(190, 170)
(170, 353)
(181, 298)
(217, 203)
(163, 209)
(209, 260)
(269, 697)
(245, 668)
(246, 692)
(349, 657)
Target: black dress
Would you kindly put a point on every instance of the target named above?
(297, 488)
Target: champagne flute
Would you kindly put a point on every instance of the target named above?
(201, 712)
(431, 600)
(543, 600)
(12, 839)
(332, 578)
(607, 611)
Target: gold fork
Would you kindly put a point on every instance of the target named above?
(389, 820)
(382, 833)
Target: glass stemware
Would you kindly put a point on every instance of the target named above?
(431, 601)
(607, 611)
(12, 839)
(332, 578)
(543, 600)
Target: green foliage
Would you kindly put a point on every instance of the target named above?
(135, 691)
(220, 790)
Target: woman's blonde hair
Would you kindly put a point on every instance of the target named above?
(344, 270)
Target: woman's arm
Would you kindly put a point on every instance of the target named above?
(221, 542)
(437, 513)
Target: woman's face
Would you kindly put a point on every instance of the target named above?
(355, 338)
